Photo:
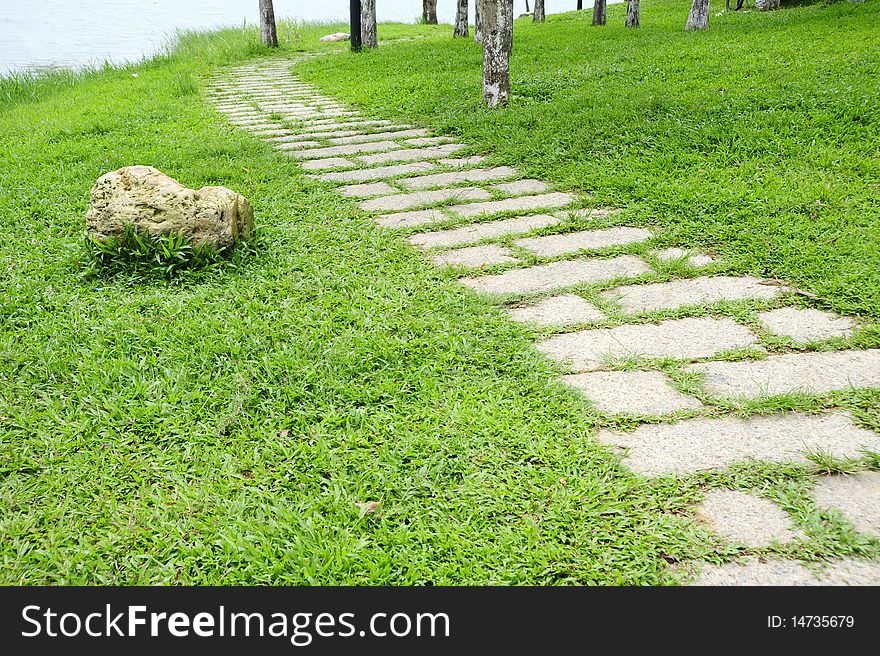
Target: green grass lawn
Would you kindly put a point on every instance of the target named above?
(221, 427)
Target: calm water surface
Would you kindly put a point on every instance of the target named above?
(39, 33)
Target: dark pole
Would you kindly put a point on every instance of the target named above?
(355, 36)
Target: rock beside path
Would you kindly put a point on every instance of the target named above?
(152, 202)
(338, 36)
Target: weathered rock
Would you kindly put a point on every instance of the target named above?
(150, 201)
(337, 36)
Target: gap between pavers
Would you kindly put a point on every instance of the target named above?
(704, 444)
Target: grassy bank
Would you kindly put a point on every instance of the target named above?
(757, 139)
(222, 427)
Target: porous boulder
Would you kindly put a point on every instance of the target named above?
(151, 202)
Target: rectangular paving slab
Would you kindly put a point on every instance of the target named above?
(806, 324)
(689, 338)
(560, 311)
(376, 136)
(380, 173)
(766, 572)
(520, 187)
(457, 177)
(694, 445)
(411, 154)
(856, 497)
(572, 242)
(410, 219)
(351, 149)
(812, 373)
(518, 204)
(400, 202)
(692, 291)
(479, 231)
(556, 275)
(367, 190)
(648, 393)
(475, 257)
(746, 519)
(328, 163)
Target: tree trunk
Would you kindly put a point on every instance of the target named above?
(497, 44)
(478, 20)
(369, 38)
(633, 13)
(580, 4)
(599, 12)
(461, 19)
(429, 12)
(268, 35)
(699, 16)
(539, 11)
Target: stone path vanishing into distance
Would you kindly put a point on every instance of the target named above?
(606, 306)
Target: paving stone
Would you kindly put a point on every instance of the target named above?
(563, 310)
(694, 445)
(463, 161)
(411, 219)
(518, 204)
(679, 338)
(572, 242)
(427, 141)
(695, 260)
(753, 572)
(479, 231)
(475, 257)
(631, 392)
(379, 173)
(806, 325)
(693, 291)
(519, 187)
(351, 149)
(297, 145)
(367, 190)
(856, 496)
(411, 154)
(310, 136)
(329, 163)
(376, 136)
(555, 275)
(456, 177)
(405, 201)
(746, 518)
(811, 373)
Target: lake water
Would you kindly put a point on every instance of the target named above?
(39, 33)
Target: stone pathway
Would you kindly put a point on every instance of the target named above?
(598, 297)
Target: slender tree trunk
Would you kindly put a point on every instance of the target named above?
(369, 38)
(429, 12)
(268, 35)
(599, 12)
(539, 11)
(580, 5)
(527, 7)
(478, 20)
(461, 19)
(699, 16)
(497, 44)
(633, 13)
